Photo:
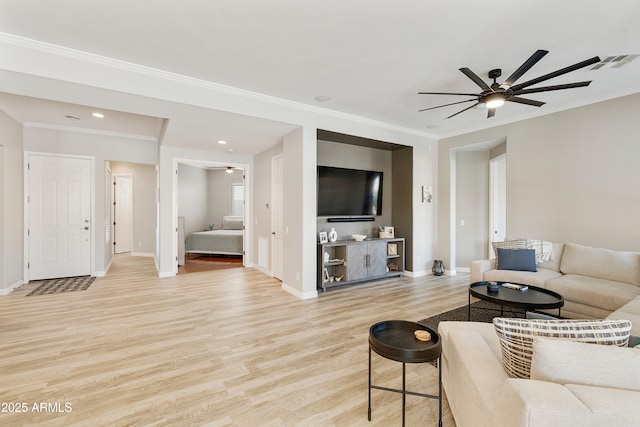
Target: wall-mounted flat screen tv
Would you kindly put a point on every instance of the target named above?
(349, 192)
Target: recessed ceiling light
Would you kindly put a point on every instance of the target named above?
(222, 142)
(98, 115)
(322, 98)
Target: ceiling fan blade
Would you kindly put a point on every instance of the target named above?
(477, 80)
(533, 59)
(462, 111)
(491, 112)
(525, 101)
(549, 88)
(557, 73)
(448, 93)
(446, 105)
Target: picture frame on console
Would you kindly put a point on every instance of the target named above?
(389, 232)
(323, 237)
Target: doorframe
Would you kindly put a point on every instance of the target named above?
(493, 163)
(273, 219)
(113, 211)
(26, 212)
(247, 257)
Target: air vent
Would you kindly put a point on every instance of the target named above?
(615, 61)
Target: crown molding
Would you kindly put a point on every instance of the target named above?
(195, 82)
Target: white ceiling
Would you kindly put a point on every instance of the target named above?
(371, 57)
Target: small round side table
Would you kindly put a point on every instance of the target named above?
(394, 340)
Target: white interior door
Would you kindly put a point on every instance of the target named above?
(59, 200)
(122, 213)
(498, 202)
(276, 217)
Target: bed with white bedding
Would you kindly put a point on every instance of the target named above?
(227, 241)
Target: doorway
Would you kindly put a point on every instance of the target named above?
(210, 209)
(58, 216)
(497, 200)
(122, 213)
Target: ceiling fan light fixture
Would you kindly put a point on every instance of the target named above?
(494, 101)
(229, 169)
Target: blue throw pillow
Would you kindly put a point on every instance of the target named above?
(517, 259)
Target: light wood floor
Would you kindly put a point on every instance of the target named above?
(223, 348)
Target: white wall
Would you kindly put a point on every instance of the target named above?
(144, 205)
(572, 176)
(219, 184)
(11, 205)
(192, 198)
(472, 209)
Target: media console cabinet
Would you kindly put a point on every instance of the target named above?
(350, 261)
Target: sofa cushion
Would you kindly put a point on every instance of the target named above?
(554, 264)
(618, 266)
(629, 311)
(517, 336)
(508, 244)
(517, 259)
(538, 278)
(605, 294)
(598, 365)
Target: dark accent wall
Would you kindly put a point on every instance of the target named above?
(402, 200)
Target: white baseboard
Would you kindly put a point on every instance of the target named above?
(416, 274)
(166, 274)
(263, 270)
(103, 273)
(463, 269)
(298, 294)
(11, 288)
(146, 254)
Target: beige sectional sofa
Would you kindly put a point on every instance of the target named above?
(571, 383)
(596, 283)
(599, 388)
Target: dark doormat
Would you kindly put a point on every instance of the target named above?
(63, 284)
(481, 311)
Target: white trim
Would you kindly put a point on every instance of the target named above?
(463, 270)
(142, 254)
(186, 80)
(262, 269)
(7, 291)
(298, 294)
(89, 131)
(165, 275)
(416, 274)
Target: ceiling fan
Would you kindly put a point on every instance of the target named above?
(496, 95)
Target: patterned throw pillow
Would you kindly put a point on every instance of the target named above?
(517, 336)
(508, 244)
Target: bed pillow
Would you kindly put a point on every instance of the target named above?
(517, 259)
(517, 336)
(232, 223)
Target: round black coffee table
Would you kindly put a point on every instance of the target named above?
(533, 298)
(395, 340)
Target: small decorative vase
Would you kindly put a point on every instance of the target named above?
(438, 267)
(333, 236)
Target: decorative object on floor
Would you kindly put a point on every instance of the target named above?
(438, 267)
(64, 284)
(495, 95)
(333, 236)
(485, 313)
